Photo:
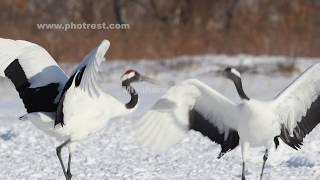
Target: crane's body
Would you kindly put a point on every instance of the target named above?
(257, 123)
(77, 127)
(67, 108)
(98, 111)
(192, 105)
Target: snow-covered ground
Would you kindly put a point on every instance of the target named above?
(27, 153)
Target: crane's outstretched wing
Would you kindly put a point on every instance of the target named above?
(186, 106)
(85, 77)
(35, 74)
(298, 107)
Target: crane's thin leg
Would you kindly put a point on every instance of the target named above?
(58, 151)
(69, 167)
(244, 150)
(243, 177)
(265, 157)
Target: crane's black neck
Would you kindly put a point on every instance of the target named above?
(238, 83)
(134, 96)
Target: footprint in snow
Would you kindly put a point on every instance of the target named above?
(296, 162)
(7, 136)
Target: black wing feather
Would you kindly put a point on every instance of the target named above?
(39, 99)
(304, 127)
(199, 123)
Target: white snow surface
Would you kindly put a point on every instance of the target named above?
(113, 153)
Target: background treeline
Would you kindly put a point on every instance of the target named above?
(165, 28)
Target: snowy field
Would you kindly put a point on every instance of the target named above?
(112, 154)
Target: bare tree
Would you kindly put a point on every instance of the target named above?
(230, 14)
(118, 11)
(87, 11)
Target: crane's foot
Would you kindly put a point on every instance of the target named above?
(68, 175)
(24, 117)
(243, 177)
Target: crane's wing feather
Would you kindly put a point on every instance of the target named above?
(85, 76)
(87, 71)
(298, 107)
(35, 74)
(189, 105)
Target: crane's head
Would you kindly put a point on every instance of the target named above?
(232, 73)
(131, 76)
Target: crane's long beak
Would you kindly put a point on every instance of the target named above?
(150, 80)
(221, 73)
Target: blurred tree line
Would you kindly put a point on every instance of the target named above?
(160, 28)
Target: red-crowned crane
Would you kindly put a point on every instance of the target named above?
(192, 105)
(66, 108)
